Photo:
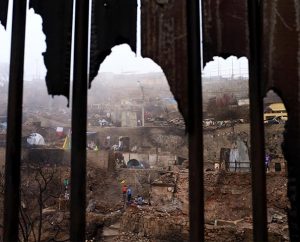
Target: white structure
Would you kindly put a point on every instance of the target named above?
(35, 139)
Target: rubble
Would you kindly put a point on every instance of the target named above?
(161, 145)
(157, 225)
(168, 220)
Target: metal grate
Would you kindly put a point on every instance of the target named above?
(14, 124)
(79, 111)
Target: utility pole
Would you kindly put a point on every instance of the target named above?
(143, 103)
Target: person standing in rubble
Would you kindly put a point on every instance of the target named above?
(267, 162)
(129, 194)
(124, 192)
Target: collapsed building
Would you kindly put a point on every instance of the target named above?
(164, 187)
(261, 34)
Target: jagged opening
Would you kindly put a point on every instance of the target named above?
(275, 117)
(46, 142)
(110, 152)
(227, 167)
(136, 118)
(225, 89)
(225, 106)
(226, 130)
(45, 165)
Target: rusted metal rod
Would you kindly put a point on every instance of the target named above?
(260, 232)
(14, 123)
(79, 121)
(196, 187)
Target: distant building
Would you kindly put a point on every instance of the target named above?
(129, 119)
(275, 110)
(244, 102)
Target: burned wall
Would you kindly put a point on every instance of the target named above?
(273, 36)
(161, 194)
(219, 138)
(98, 158)
(164, 40)
(152, 159)
(165, 138)
(46, 156)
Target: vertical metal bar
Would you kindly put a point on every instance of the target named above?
(196, 187)
(79, 120)
(14, 123)
(260, 232)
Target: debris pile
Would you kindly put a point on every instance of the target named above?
(148, 222)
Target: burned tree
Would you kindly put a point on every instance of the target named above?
(39, 216)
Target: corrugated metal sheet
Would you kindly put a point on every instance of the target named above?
(164, 40)
(57, 26)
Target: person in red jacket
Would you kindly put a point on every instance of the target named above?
(124, 192)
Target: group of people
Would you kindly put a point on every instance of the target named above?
(127, 196)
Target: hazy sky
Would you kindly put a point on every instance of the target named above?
(122, 58)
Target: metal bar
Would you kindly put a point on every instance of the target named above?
(14, 124)
(260, 232)
(79, 120)
(196, 187)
